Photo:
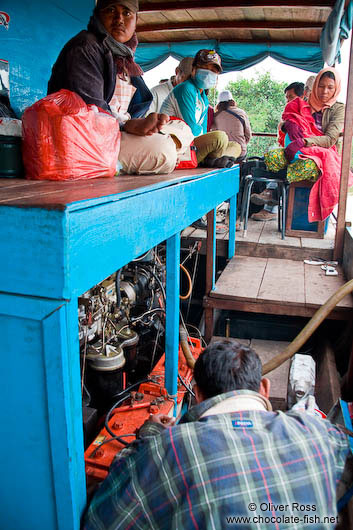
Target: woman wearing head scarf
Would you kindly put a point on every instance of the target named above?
(98, 64)
(312, 132)
(321, 121)
(324, 112)
(189, 102)
(327, 112)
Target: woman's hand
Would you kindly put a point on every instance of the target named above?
(146, 126)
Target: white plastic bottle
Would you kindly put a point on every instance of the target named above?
(301, 378)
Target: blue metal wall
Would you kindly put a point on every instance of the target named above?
(37, 31)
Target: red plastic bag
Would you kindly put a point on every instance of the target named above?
(187, 159)
(66, 139)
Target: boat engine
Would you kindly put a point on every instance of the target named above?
(121, 328)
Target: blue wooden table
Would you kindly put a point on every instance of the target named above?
(57, 240)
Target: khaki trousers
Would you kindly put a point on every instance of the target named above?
(215, 144)
(144, 155)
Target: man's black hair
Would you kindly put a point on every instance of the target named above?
(227, 365)
(297, 87)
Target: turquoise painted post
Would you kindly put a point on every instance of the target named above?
(42, 436)
(172, 315)
(214, 250)
(232, 224)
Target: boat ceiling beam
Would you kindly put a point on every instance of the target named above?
(147, 7)
(227, 24)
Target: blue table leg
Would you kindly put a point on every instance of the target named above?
(211, 251)
(172, 315)
(40, 391)
(232, 224)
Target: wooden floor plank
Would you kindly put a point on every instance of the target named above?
(254, 231)
(309, 242)
(271, 236)
(327, 387)
(266, 350)
(246, 342)
(241, 279)
(264, 240)
(283, 282)
(319, 287)
(277, 286)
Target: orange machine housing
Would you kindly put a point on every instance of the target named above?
(151, 398)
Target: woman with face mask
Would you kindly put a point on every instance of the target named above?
(189, 102)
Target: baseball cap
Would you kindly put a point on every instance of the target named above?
(133, 5)
(185, 65)
(207, 57)
(225, 95)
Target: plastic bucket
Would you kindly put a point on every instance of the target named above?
(11, 157)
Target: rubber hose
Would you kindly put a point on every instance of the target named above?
(309, 329)
(190, 359)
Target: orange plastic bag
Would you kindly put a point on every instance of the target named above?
(66, 139)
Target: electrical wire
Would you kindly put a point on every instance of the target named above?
(199, 333)
(141, 257)
(84, 360)
(103, 332)
(87, 393)
(186, 272)
(107, 418)
(117, 403)
(185, 328)
(155, 347)
(117, 287)
(191, 252)
(188, 388)
(157, 258)
(151, 311)
(193, 282)
(130, 387)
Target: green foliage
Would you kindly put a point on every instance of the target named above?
(263, 100)
(212, 96)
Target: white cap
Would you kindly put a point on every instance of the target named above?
(225, 95)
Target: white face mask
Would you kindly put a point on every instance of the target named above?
(205, 78)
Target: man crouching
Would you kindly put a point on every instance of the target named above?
(231, 460)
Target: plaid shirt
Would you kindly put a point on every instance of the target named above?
(122, 96)
(205, 472)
